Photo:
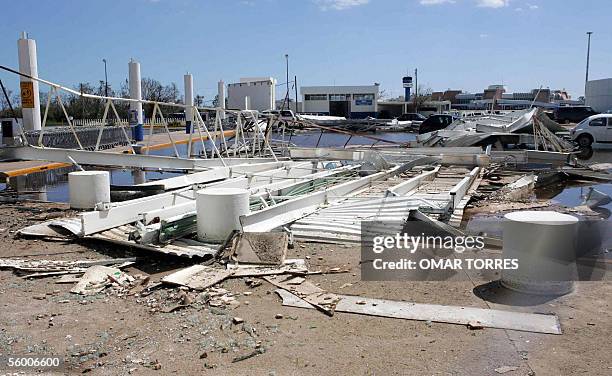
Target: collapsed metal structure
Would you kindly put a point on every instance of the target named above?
(314, 194)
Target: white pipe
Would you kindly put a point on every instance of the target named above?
(28, 65)
(221, 97)
(188, 79)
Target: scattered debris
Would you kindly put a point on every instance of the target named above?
(491, 318)
(256, 352)
(263, 248)
(98, 277)
(197, 277)
(47, 268)
(319, 298)
(505, 369)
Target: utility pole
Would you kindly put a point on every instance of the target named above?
(105, 79)
(416, 90)
(586, 80)
(296, 94)
(287, 70)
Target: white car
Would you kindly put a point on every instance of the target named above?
(594, 129)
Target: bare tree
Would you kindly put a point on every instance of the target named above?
(421, 96)
(12, 97)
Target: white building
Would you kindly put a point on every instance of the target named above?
(260, 92)
(599, 94)
(354, 102)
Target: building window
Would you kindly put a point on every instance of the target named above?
(315, 97)
(363, 96)
(339, 97)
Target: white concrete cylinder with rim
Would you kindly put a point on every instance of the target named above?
(87, 188)
(219, 211)
(135, 89)
(544, 244)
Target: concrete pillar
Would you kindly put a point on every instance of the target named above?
(88, 188)
(218, 212)
(139, 176)
(221, 93)
(247, 102)
(543, 243)
(29, 88)
(188, 79)
(136, 116)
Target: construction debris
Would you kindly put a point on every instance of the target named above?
(505, 369)
(490, 318)
(315, 296)
(267, 248)
(48, 268)
(98, 277)
(197, 277)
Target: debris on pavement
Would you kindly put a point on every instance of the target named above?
(96, 278)
(491, 318)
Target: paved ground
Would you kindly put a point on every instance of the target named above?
(115, 335)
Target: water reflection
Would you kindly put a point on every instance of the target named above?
(52, 185)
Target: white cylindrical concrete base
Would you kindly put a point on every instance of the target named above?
(543, 243)
(219, 211)
(87, 188)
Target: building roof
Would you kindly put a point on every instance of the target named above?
(363, 89)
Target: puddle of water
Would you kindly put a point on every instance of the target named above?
(52, 185)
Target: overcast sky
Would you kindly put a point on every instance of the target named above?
(458, 44)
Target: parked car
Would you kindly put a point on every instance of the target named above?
(435, 123)
(284, 115)
(572, 114)
(596, 128)
(411, 116)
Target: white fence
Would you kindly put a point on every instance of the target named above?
(98, 122)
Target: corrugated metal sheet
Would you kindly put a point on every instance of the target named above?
(181, 247)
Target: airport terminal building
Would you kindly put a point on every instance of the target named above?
(354, 102)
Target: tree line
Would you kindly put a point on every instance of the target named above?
(87, 108)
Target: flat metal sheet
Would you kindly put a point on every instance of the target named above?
(490, 318)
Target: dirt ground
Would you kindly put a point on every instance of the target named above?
(109, 334)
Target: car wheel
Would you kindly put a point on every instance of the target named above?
(566, 121)
(584, 140)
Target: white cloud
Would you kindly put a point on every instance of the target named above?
(492, 3)
(340, 4)
(519, 9)
(532, 6)
(483, 36)
(436, 2)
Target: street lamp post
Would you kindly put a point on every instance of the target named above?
(105, 79)
(586, 80)
(287, 70)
